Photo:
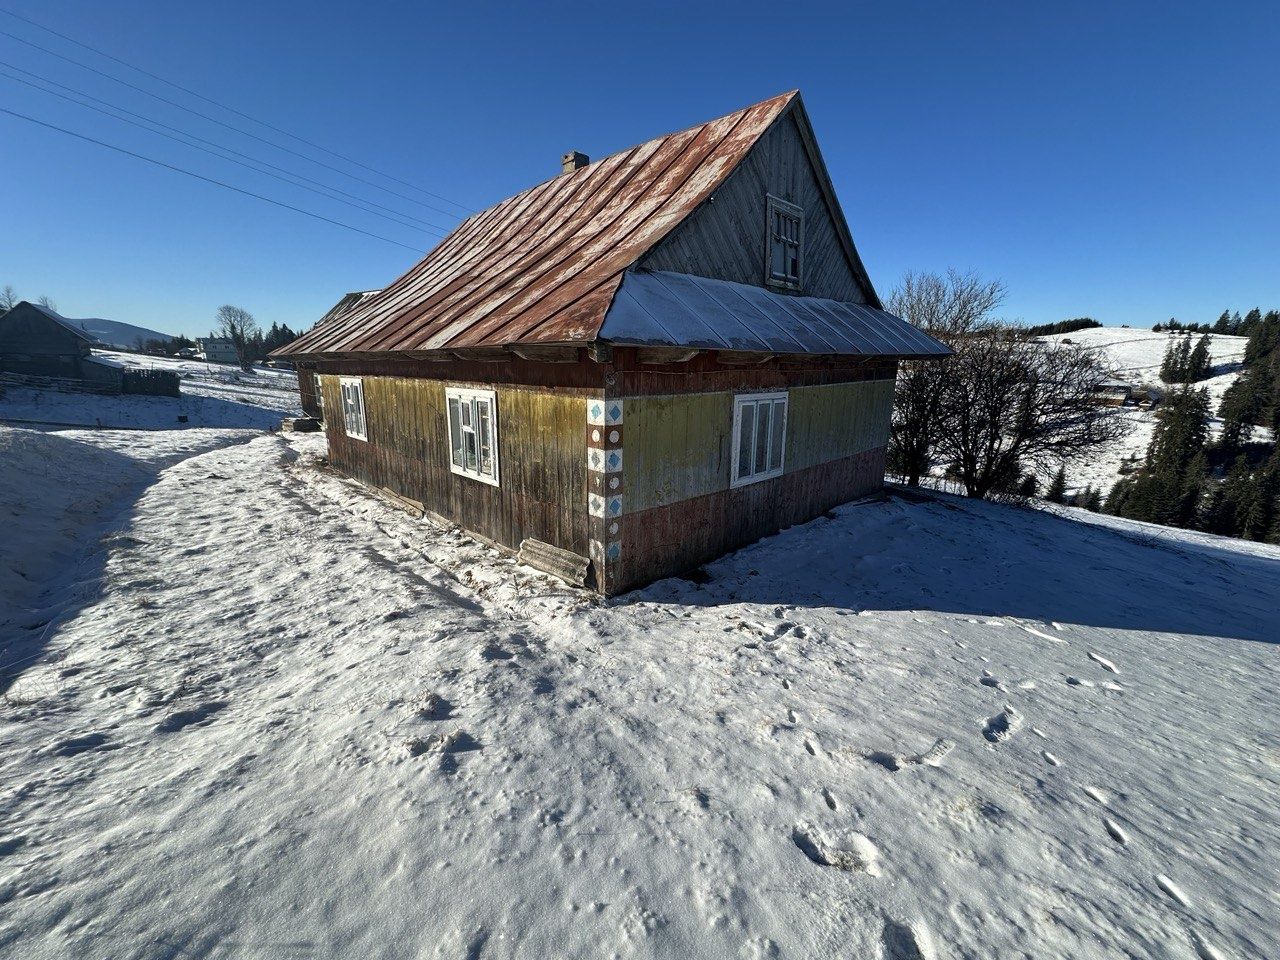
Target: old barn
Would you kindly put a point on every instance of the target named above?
(641, 363)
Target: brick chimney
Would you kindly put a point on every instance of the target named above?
(573, 160)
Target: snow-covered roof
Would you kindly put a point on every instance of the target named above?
(658, 308)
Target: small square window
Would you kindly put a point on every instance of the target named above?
(759, 436)
(353, 407)
(785, 224)
(473, 433)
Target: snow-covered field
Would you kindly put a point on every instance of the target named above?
(1135, 356)
(273, 717)
(213, 395)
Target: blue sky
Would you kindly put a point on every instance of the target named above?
(1110, 160)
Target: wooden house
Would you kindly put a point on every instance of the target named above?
(37, 341)
(641, 363)
(42, 349)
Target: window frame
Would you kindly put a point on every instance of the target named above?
(741, 402)
(472, 396)
(773, 206)
(344, 384)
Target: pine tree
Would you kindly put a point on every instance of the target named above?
(1057, 492)
(1168, 366)
(1199, 361)
(1092, 499)
(1224, 323)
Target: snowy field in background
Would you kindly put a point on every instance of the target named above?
(1135, 357)
(213, 395)
(270, 716)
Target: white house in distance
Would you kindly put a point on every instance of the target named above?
(216, 350)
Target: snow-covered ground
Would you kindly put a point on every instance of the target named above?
(213, 395)
(1135, 357)
(278, 718)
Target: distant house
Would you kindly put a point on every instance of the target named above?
(216, 350)
(633, 367)
(40, 348)
(1111, 393)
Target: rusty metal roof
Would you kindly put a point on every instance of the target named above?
(543, 266)
(657, 308)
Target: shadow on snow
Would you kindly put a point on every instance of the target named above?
(951, 555)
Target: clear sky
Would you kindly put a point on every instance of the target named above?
(1120, 161)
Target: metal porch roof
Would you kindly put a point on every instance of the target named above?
(656, 308)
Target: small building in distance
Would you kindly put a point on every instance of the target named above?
(633, 367)
(1111, 393)
(37, 341)
(216, 350)
(40, 348)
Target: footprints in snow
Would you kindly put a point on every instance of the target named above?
(930, 758)
(1003, 725)
(842, 849)
(907, 941)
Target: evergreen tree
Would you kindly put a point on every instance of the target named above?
(1057, 492)
(1092, 499)
(1224, 323)
(1200, 361)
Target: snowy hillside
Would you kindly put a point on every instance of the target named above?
(1135, 356)
(213, 395)
(114, 333)
(271, 716)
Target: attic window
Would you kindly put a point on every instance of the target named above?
(353, 407)
(473, 433)
(786, 239)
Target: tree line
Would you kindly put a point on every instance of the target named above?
(1229, 323)
(1062, 326)
(1228, 486)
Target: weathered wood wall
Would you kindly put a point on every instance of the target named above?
(31, 343)
(542, 458)
(725, 238)
(680, 446)
(308, 392)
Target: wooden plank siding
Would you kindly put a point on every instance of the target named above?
(542, 458)
(667, 540)
(726, 239)
(679, 447)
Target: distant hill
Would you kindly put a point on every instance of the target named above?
(116, 334)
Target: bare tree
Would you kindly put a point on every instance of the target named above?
(1009, 403)
(238, 326)
(48, 304)
(8, 298)
(948, 308)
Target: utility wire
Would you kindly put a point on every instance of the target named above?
(222, 123)
(219, 151)
(200, 96)
(200, 176)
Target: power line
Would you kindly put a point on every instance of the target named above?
(222, 123)
(200, 96)
(200, 176)
(220, 151)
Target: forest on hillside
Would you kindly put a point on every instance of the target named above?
(1227, 485)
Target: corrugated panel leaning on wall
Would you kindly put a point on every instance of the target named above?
(542, 457)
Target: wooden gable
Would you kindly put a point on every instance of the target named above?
(27, 329)
(726, 237)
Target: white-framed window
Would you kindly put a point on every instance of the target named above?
(786, 243)
(353, 407)
(759, 436)
(473, 433)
